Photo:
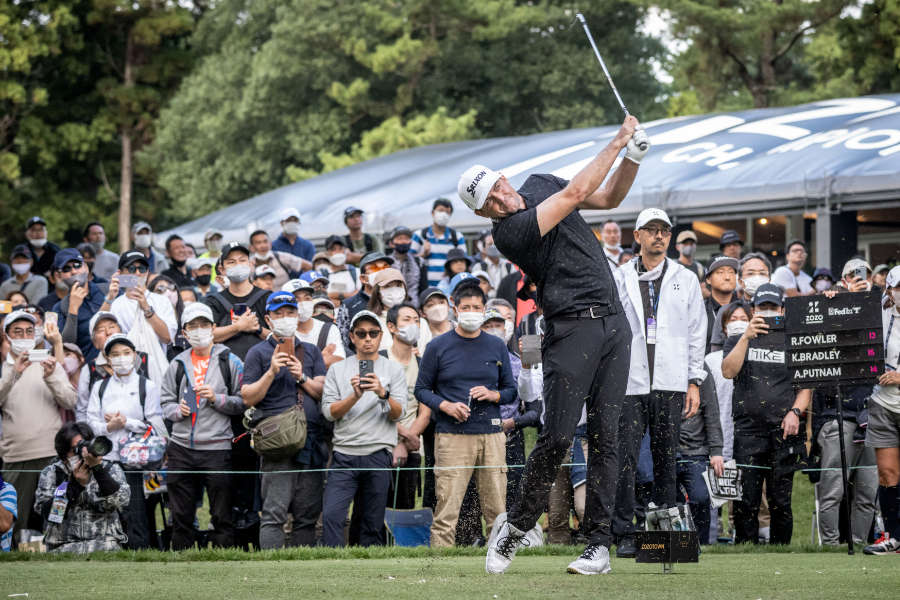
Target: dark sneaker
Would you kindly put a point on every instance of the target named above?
(884, 545)
(626, 548)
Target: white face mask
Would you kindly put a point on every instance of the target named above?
(214, 245)
(142, 240)
(73, 462)
(285, 326)
(172, 295)
(752, 283)
(508, 330)
(441, 218)
(471, 322)
(822, 285)
(263, 257)
(238, 273)
(408, 334)
(291, 228)
(21, 268)
(339, 259)
(688, 250)
(392, 296)
(39, 242)
(767, 313)
(200, 338)
(305, 310)
(437, 313)
(38, 334)
(736, 328)
(122, 365)
(497, 332)
(611, 246)
(21, 346)
(70, 364)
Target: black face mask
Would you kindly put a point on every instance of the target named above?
(203, 280)
(177, 263)
(324, 318)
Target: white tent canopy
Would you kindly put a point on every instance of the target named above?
(844, 151)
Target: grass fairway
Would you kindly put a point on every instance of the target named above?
(426, 575)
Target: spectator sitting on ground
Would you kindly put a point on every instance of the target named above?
(94, 491)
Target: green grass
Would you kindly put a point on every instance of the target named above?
(423, 574)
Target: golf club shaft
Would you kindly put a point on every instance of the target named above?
(590, 38)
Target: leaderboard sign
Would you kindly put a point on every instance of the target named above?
(834, 340)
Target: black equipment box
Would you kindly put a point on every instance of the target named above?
(667, 546)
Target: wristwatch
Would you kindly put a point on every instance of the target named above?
(797, 412)
(149, 312)
(302, 380)
(696, 381)
(387, 394)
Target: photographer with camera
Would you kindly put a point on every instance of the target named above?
(32, 390)
(766, 412)
(80, 494)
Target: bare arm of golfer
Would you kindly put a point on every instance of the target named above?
(582, 190)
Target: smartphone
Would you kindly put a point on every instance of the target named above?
(775, 323)
(366, 367)
(861, 273)
(239, 309)
(286, 345)
(5, 307)
(128, 281)
(51, 317)
(531, 349)
(38, 355)
(190, 398)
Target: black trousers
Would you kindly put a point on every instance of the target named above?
(246, 500)
(586, 361)
(137, 526)
(779, 488)
(429, 495)
(341, 488)
(661, 412)
(515, 455)
(184, 489)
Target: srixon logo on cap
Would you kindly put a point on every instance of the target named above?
(471, 189)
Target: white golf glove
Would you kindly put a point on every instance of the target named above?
(633, 151)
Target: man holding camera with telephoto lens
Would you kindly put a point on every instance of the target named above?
(766, 412)
(80, 494)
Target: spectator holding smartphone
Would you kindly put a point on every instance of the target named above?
(856, 276)
(364, 398)
(84, 299)
(137, 300)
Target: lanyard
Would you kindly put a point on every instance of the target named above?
(654, 298)
(887, 340)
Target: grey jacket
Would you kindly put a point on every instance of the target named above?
(211, 430)
(701, 435)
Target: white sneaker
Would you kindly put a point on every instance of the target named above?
(884, 545)
(593, 561)
(502, 545)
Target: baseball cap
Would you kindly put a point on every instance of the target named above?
(295, 285)
(132, 256)
(458, 254)
(66, 255)
(730, 236)
(459, 278)
(289, 212)
(893, 277)
(314, 276)
(20, 250)
(854, 264)
(372, 257)
(100, 316)
(880, 268)
(333, 239)
(401, 230)
(322, 300)
(768, 292)
(722, 261)
(73, 348)
(475, 184)
(481, 274)
(35, 221)
(386, 276)
(196, 310)
(823, 272)
(201, 261)
(141, 225)
(117, 338)
(429, 292)
(350, 211)
(365, 314)
(686, 235)
(210, 233)
(231, 247)
(18, 315)
(279, 299)
(262, 271)
(492, 314)
(652, 214)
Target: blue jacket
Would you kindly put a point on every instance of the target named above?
(301, 247)
(88, 308)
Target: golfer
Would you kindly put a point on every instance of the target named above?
(587, 343)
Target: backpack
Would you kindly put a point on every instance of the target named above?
(452, 231)
(227, 306)
(291, 274)
(224, 359)
(142, 391)
(96, 374)
(367, 241)
(323, 335)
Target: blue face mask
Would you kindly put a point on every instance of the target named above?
(402, 248)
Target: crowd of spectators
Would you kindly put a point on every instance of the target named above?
(286, 383)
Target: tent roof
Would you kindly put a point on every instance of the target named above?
(840, 151)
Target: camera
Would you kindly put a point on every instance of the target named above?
(99, 446)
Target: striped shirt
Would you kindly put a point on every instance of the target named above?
(439, 248)
(8, 500)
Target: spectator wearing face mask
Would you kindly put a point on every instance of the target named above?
(23, 280)
(456, 262)
(879, 276)
(822, 279)
(126, 403)
(323, 335)
(343, 278)
(358, 244)
(766, 412)
(368, 266)
(791, 276)
(264, 277)
(414, 269)
(721, 280)
(754, 270)
(31, 394)
(212, 242)
(290, 241)
(105, 262)
(731, 244)
(200, 393)
(203, 272)
(612, 237)
(856, 276)
(432, 243)
(390, 290)
(686, 244)
(43, 252)
(464, 377)
(164, 286)
(484, 281)
(435, 307)
(493, 264)
(138, 302)
(142, 237)
(284, 265)
(83, 300)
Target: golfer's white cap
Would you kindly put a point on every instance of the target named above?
(475, 184)
(652, 214)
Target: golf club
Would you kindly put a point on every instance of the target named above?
(587, 32)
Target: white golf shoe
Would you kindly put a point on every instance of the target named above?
(593, 561)
(502, 545)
